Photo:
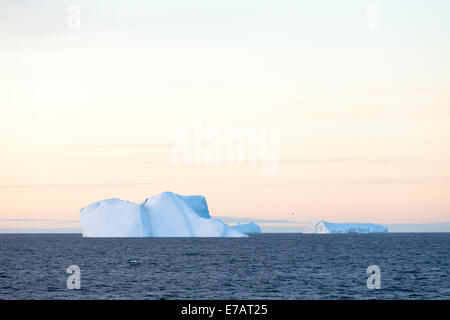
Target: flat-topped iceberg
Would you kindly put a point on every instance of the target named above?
(164, 215)
(328, 227)
(247, 228)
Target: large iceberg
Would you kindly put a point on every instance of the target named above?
(164, 215)
(328, 227)
(114, 218)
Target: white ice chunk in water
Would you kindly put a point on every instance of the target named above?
(248, 228)
(328, 227)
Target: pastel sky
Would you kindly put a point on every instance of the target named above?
(359, 92)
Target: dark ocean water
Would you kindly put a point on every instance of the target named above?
(266, 266)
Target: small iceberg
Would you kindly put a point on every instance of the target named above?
(248, 228)
(328, 227)
(164, 215)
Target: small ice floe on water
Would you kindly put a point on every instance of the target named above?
(134, 261)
